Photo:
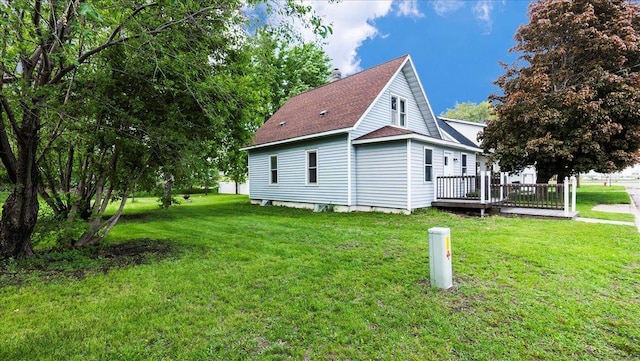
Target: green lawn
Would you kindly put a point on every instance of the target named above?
(223, 279)
(589, 196)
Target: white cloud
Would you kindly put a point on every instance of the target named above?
(352, 23)
(482, 12)
(409, 8)
(444, 7)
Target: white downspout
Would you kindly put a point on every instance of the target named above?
(409, 175)
(349, 195)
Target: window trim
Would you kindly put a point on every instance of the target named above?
(271, 169)
(308, 168)
(425, 165)
(397, 112)
(464, 164)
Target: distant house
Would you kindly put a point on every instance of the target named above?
(369, 141)
(467, 132)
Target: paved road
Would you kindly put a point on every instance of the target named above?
(634, 192)
(633, 188)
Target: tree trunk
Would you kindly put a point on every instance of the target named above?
(166, 192)
(20, 210)
(544, 175)
(99, 229)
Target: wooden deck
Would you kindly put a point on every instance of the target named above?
(461, 204)
(483, 192)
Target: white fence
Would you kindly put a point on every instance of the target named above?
(230, 188)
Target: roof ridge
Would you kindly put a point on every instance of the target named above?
(330, 107)
(351, 75)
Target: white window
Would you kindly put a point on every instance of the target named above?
(428, 165)
(312, 167)
(398, 111)
(464, 164)
(273, 167)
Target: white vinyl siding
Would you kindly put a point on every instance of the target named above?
(380, 113)
(381, 175)
(292, 184)
(421, 191)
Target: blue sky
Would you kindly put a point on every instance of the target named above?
(456, 45)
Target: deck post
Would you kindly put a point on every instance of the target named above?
(566, 196)
(482, 185)
(574, 189)
(502, 182)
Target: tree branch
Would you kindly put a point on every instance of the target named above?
(6, 152)
(112, 42)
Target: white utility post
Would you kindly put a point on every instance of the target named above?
(440, 272)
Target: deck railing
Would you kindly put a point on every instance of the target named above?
(547, 196)
(458, 187)
(488, 188)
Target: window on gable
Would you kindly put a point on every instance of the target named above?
(403, 113)
(312, 167)
(428, 165)
(273, 167)
(398, 111)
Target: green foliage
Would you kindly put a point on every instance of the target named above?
(119, 98)
(571, 102)
(470, 111)
(264, 283)
(52, 232)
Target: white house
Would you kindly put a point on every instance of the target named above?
(467, 133)
(369, 141)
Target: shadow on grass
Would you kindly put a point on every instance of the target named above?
(79, 263)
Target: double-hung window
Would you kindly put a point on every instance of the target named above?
(464, 164)
(312, 167)
(428, 165)
(398, 111)
(273, 167)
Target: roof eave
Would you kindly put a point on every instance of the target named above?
(419, 137)
(298, 139)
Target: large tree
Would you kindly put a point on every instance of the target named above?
(280, 69)
(49, 47)
(571, 102)
(471, 111)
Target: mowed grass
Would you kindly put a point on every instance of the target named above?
(270, 283)
(589, 196)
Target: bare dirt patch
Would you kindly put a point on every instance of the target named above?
(78, 263)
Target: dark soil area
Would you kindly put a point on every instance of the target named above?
(78, 263)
